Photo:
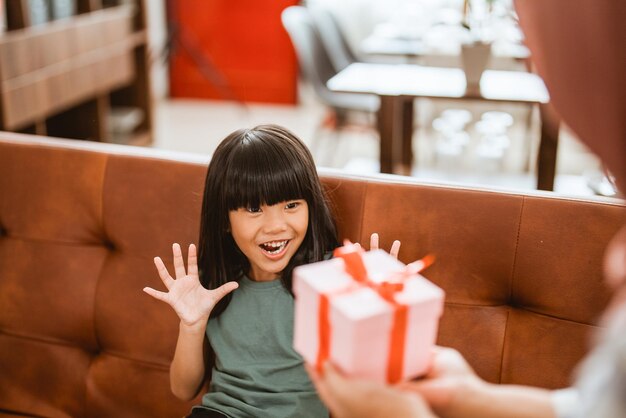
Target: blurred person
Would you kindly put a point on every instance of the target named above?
(579, 48)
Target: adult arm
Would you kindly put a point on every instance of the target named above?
(450, 390)
(453, 390)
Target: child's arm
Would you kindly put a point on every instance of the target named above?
(193, 305)
(188, 368)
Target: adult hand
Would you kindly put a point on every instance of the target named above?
(453, 390)
(447, 384)
(190, 300)
(354, 398)
(395, 247)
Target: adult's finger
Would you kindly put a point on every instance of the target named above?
(374, 241)
(324, 391)
(438, 393)
(334, 380)
(192, 261)
(179, 264)
(163, 273)
(395, 248)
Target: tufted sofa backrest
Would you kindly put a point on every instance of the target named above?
(81, 222)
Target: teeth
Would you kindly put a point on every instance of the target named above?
(275, 244)
(274, 247)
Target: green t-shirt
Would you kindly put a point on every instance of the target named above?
(257, 372)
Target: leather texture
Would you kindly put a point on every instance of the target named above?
(80, 223)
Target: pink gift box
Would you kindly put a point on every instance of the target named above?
(360, 328)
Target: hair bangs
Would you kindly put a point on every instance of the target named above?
(263, 175)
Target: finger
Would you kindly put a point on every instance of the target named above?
(179, 264)
(313, 374)
(437, 393)
(342, 393)
(374, 241)
(330, 373)
(317, 380)
(163, 273)
(192, 261)
(224, 289)
(395, 249)
(409, 399)
(325, 393)
(334, 381)
(156, 294)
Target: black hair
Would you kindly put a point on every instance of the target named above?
(251, 167)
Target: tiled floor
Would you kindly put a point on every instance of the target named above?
(198, 126)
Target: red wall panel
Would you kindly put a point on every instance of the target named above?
(244, 40)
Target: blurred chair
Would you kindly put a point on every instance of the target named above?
(317, 68)
(340, 53)
(339, 50)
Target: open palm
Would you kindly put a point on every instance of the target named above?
(190, 300)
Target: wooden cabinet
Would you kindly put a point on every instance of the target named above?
(84, 76)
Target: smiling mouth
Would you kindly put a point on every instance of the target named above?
(274, 247)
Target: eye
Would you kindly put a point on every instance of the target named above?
(292, 205)
(253, 209)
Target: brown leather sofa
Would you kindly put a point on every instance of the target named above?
(80, 223)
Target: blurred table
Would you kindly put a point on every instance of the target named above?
(437, 40)
(503, 55)
(398, 84)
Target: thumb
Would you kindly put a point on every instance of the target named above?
(437, 393)
(334, 380)
(224, 289)
(328, 385)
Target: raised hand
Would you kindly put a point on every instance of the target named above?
(395, 247)
(190, 300)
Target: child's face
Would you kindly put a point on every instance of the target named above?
(269, 235)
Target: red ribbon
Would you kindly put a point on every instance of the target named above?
(351, 254)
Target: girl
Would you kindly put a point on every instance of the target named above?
(263, 214)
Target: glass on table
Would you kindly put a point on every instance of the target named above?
(452, 139)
